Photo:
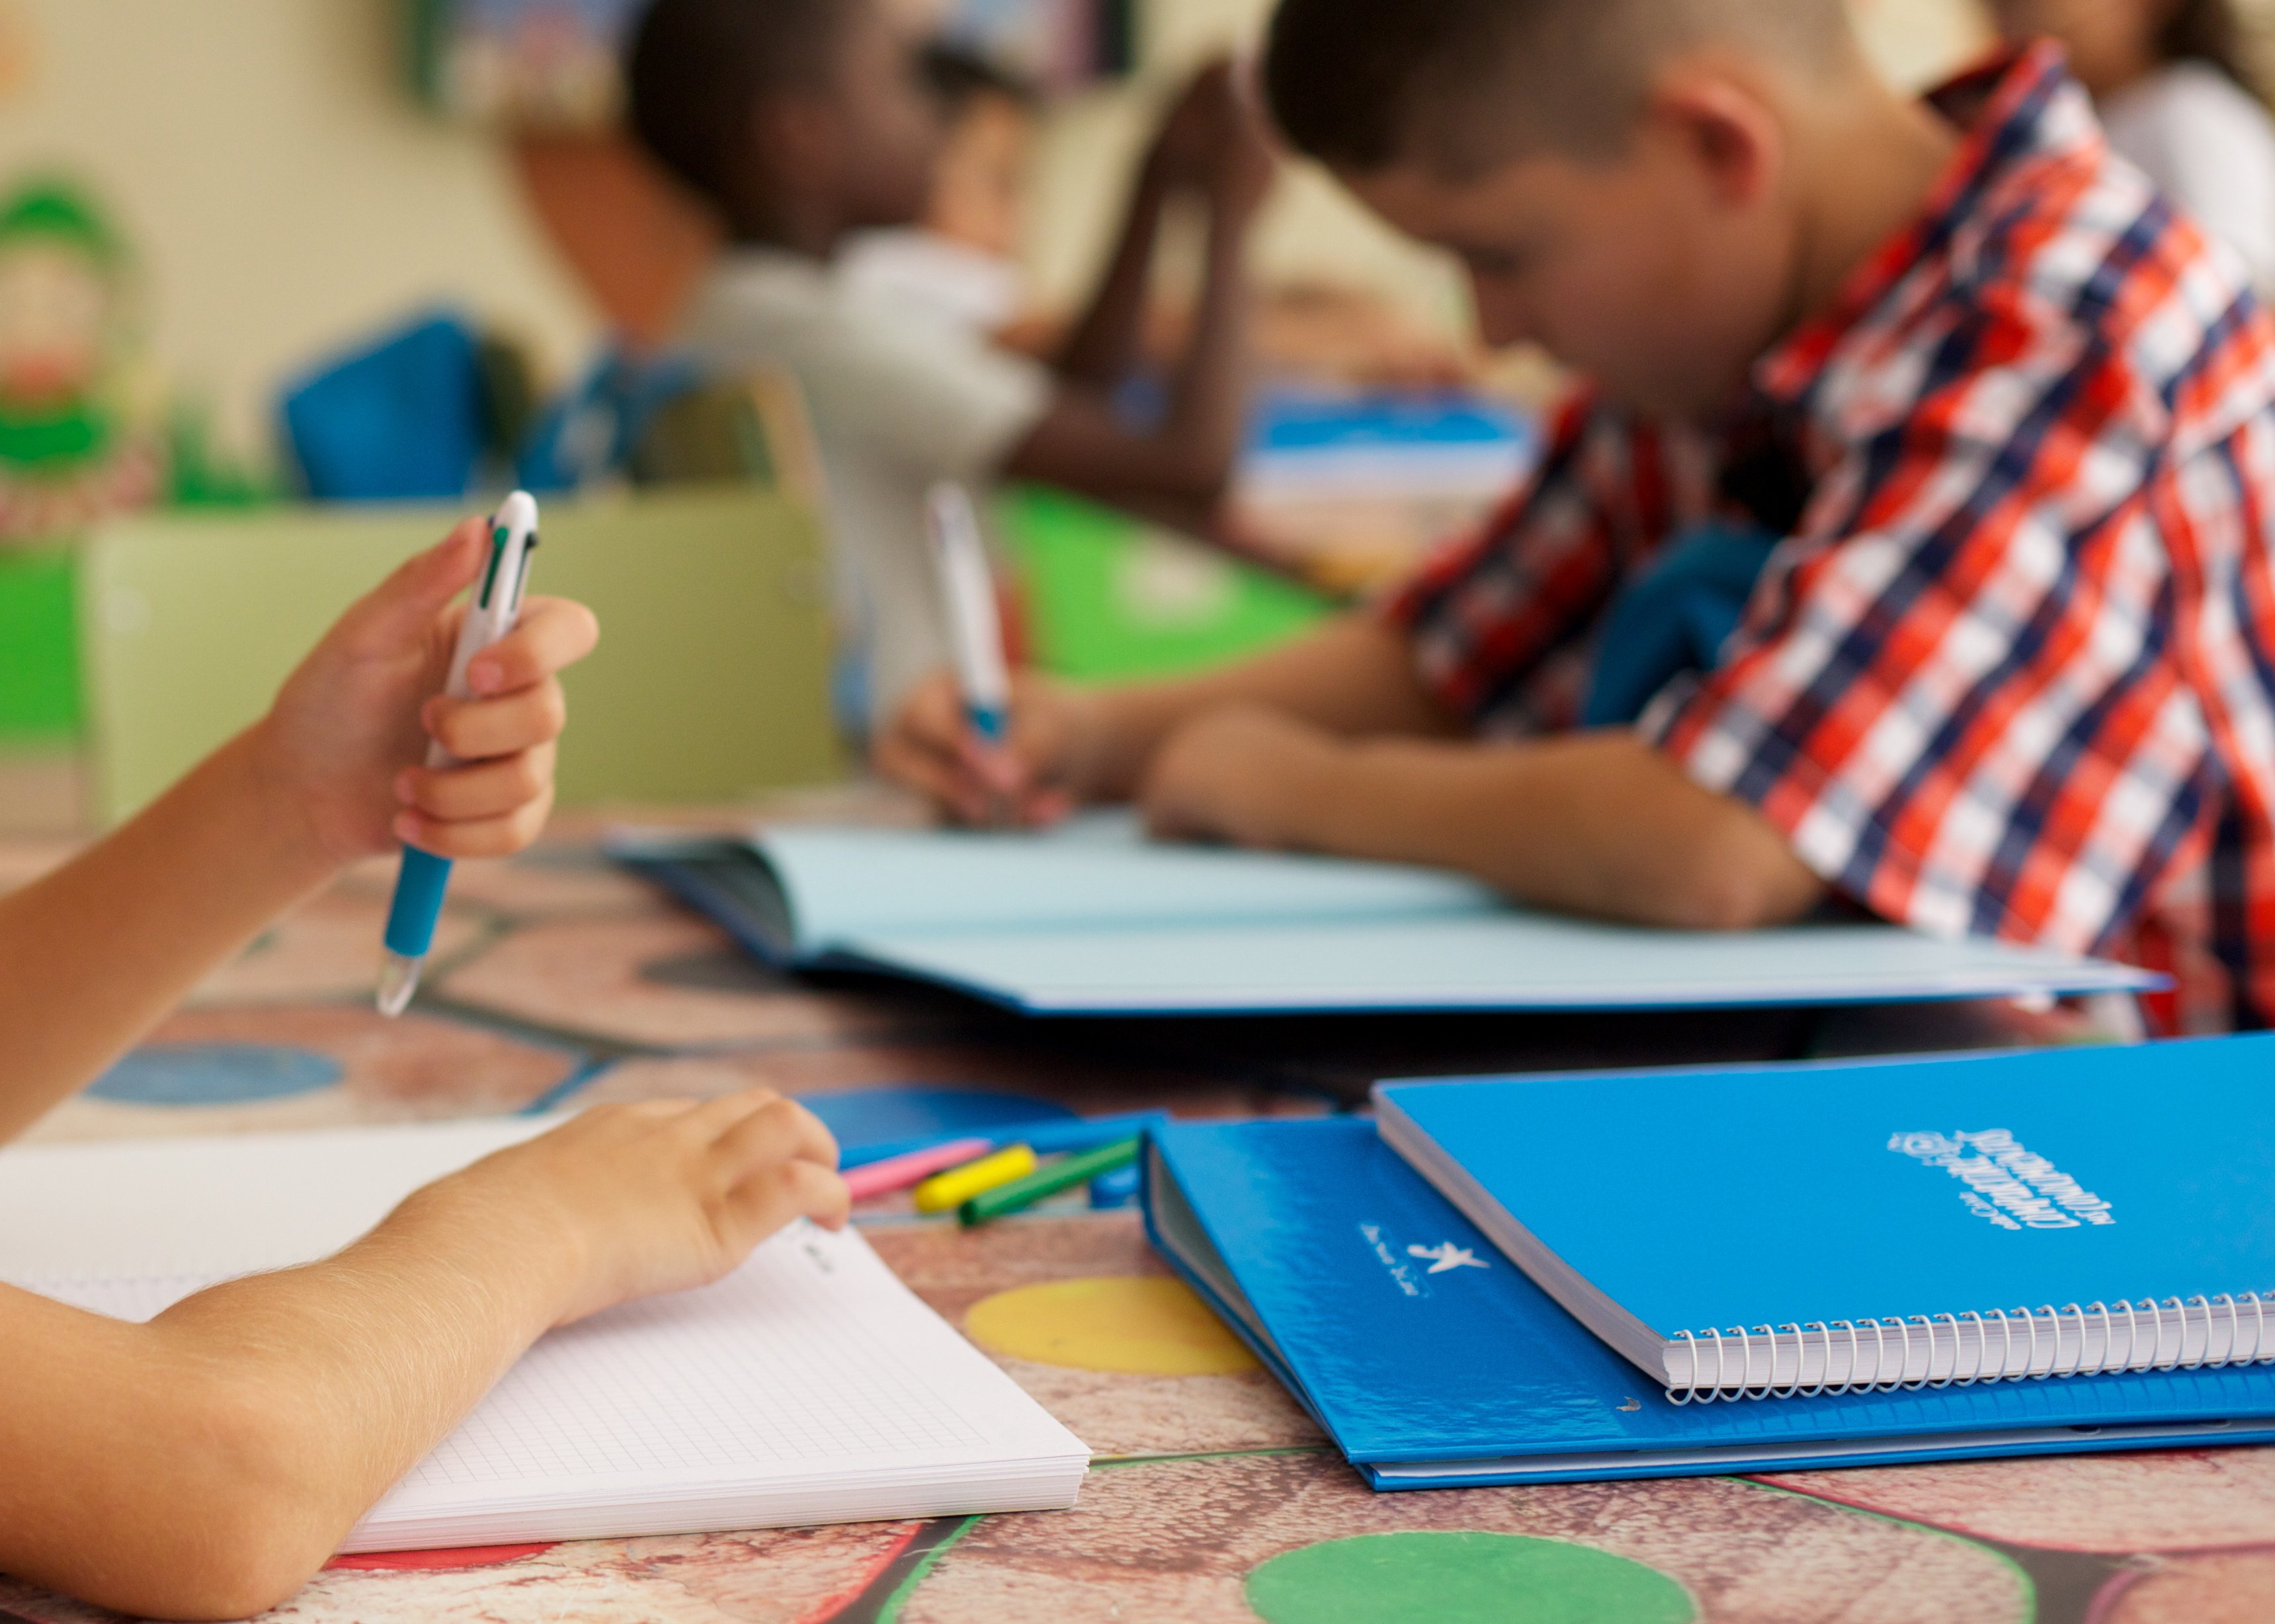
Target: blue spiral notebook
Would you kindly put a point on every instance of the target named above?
(1748, 1230)
(1434, 1363)
(1094, 919)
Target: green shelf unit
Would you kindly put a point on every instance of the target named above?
(40, 698)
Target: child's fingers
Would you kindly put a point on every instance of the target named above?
(477, 729)
(493, 788)
(400, 609)
(798, 1187)
(476, 838)
(777, 1130)
(554, 633)
(937, 775)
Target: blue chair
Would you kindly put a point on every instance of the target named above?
(401, 420)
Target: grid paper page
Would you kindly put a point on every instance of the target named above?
(765, 1369)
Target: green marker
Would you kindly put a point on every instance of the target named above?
(1044, 1182)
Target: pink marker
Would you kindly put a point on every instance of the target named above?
(881, 1178)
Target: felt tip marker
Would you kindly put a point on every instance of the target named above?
(975, 635)
(424, 877)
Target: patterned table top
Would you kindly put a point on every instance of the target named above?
(559, 980)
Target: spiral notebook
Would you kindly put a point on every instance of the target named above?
(808, 1387)
(1093, 920)
(1798, 1230)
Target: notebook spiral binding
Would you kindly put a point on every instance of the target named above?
(2245, 1317)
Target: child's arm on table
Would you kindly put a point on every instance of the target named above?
(1071, 745)
(1333, 744)
(1597, 823)
(206, 1464)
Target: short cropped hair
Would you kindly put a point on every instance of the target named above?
(696, 68)
(1461, 86)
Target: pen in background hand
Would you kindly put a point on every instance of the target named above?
(975, 635)
(424, 877)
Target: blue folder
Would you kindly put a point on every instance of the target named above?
(1433, 1362)
(1092, 919)
(1946, 1218)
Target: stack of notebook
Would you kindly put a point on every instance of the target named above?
(1711, 1271)
(809, 1385)
(1092, 919)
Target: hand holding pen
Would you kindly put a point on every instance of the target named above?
(489, 617)
(975, 632)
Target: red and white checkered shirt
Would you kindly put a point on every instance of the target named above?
(2012, 672)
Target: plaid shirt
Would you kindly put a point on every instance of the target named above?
(2012, 671)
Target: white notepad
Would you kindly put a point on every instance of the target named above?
(808, 1387)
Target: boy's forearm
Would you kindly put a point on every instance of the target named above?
(91, 956)
(1599, 824)
(1207, 400)
(1104, 344)
(1354, 677)
(207, 1463)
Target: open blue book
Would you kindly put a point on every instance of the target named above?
(1093, 920)
(1803, 1230)
(1432, 1363)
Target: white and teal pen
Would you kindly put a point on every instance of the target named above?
(424, 877)
(975, 634)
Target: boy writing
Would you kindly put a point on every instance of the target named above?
(1994, 422)
(206, 1464)
(801, 122)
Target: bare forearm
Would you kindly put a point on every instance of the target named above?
(1355, 678)
(1209, 394)
(206, 1464)
(1597, 824)
(197, 875)
(1104, 344)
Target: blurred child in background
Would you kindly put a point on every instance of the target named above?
(2169, 80)
(962, 258)
(802, 123)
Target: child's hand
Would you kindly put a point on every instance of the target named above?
(657, 1197)
(1030, 777)
(1242, 773)
(345, 744)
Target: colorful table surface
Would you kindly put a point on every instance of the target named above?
(560, 981)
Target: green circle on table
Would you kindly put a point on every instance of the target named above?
(1462, 1578)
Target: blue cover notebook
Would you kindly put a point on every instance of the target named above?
(1093, 920)
(1797, 1229)
(1433, 1362)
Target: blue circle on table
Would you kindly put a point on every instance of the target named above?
(215, 1073)
(865, 1116)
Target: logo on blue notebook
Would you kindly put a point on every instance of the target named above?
(1443, 1258)
(2004, 1182)
(1445, 1255)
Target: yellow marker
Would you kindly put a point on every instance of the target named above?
(944, 1192)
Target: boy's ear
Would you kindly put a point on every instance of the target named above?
(1732, 136)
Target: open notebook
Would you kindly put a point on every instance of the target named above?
(1092, 919)
(808, 1387)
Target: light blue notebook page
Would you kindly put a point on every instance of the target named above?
(1095, 920)
(2056, 1210)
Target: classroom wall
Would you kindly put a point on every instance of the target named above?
(286, 194)
(284, 189)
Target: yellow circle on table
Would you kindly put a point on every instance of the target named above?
(1140, 1325)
